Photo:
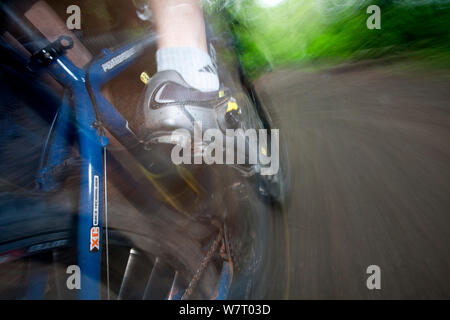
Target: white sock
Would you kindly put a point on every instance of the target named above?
(193, 64)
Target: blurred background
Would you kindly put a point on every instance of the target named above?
(366, 118)
(276, 33)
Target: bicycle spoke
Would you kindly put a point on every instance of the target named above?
(136, 271)
(176, 291)
(159, 282)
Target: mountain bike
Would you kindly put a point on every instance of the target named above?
(102, 203)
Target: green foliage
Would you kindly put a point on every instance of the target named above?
(299, 31)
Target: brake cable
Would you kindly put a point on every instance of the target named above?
(106, 223)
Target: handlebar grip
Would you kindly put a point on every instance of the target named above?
(22, 30)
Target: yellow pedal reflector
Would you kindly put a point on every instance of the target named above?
(232, 106)
(221, 93)
(145, 77)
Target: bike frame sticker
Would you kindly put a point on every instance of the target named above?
(94, 235)
(114, 62)
(95, 239)
(95, 202)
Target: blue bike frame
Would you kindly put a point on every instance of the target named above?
(92, 112)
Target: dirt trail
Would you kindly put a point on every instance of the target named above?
(370, 153)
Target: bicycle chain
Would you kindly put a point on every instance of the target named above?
(202, 267)
(229, 245)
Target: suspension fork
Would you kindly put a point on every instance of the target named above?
(92, 187)
(92, 144)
